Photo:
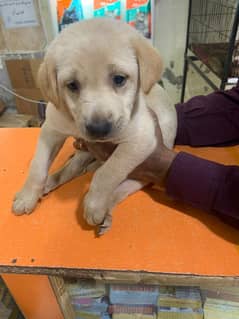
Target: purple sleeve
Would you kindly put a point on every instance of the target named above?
(206, 185)
(211, 120)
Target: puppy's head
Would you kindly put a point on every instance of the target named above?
(94, 70)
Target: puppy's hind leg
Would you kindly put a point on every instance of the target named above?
(125, 189)
(80, 163)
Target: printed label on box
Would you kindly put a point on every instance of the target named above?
(18, 13)
(70, 11)
(138, 15)
(107, 8)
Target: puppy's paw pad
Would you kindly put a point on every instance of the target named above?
(95, 208)
(93, 214)
(93, 218)
(24, 203)
(20, 207)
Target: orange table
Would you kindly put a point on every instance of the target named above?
(151, 233)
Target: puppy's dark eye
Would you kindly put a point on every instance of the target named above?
(73, 86)
(119, 80)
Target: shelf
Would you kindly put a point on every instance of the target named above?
(21, 55)
(214, 56)
(99, 299)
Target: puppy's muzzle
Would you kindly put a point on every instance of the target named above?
(99, 129)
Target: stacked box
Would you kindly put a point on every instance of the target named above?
(88, 299)
(221, 303)
(133, 301)
(135, 12)
(70, 11)
(222, 293)
(25, 26)
(138, 15)
(221, 309)
(107, 8)
(23, 76)
(132, 311)
(179, 303)
(134, 294)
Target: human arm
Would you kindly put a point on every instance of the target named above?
(206, 185)
(210, 120)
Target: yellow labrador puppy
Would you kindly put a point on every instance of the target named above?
(100, 78)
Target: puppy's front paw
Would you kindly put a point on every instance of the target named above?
(25, 201)
(94, 210)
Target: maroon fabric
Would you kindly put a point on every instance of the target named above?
(204, 184)
(211, 120)
(194, 180)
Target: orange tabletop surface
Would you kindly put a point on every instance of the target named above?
(150, 232)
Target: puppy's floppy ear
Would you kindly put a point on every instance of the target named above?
(150, 63)
(47, 81)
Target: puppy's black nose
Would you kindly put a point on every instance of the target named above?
(99, 128)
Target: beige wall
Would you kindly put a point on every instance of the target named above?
(170, 36)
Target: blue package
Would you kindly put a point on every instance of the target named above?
(72, 14)
(134, 294)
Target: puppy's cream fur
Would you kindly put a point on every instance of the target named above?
(91, 53)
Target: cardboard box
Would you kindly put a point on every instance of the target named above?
(15, 120)
(27, 107)
(23, 73)
(25, 25)
(23, 76)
